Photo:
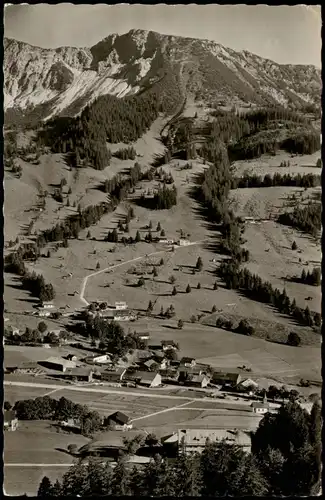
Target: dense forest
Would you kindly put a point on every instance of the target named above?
(110, 119)
(307, 218)
(285, 461)
(246, 135)
(263, 291)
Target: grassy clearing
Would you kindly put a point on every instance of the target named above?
(35, 443)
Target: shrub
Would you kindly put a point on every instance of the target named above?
(180, 324)
(214, 309)
(174, 291)
(294, 339)
(294, 246)
(188, 289)
(193, 319)
(141, 281)
(42, 327)
(199, 286)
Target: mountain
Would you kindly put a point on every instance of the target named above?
(63, 81)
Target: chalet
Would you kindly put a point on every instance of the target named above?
(113, 375)
(81, 374)
(58, 363)
(183, 242)
(198, 380)
(47, 305)
(188, 362)
(150, 364)
(119, 421)
(169, 375)
(44, 313)
(102, 358)
(226, 379)
(260, 407)
(119, 306)
(144, 336)
(168, 344)
(161, 362)
(28, 367)
(10, 420)
(194, 440)
(247, 385)
(149, 379)
(124, 315)
(71, 423)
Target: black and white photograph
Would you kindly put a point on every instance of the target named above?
(162, 222)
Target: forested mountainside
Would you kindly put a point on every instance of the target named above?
(48, 82)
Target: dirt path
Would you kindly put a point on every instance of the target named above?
(85, 280)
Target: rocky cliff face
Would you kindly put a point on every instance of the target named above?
(69, 78)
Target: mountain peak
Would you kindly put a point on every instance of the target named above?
(68, 78)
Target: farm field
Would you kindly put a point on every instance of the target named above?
(35, 443)
(106, 404)
(188, 418)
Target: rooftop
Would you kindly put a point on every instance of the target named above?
(198, 437)
(119, 417)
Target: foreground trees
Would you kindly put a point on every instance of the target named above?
(285, 461)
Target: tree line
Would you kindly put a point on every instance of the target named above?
(307, 218)
(285, 461)
(111, 336)
(256, 181)
(263, 291)
(47, 408)
(311, 278)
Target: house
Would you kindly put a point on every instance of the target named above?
(81, 374)
(102, 358)
(13, 330)
(194, 440)
(166, 241)
(261, 408)
(169, 344)
(144, 336)
(183, 242)
(198, 380)
(119, 421)
(247, 385)
(226, 379)
(124, 315)
(71, 357)
(150, 364)
(148, 379)
(58, 363)
(161, 362)
(10, 420)
(72, 423)
(174, 363)
(188, 361)
(169, 375)
(120, 305)
(28, 367)
(113, 375)
(43, 313)
(47, 305)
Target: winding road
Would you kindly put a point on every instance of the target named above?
(85, 280)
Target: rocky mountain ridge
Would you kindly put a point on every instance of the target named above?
(66, 79)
